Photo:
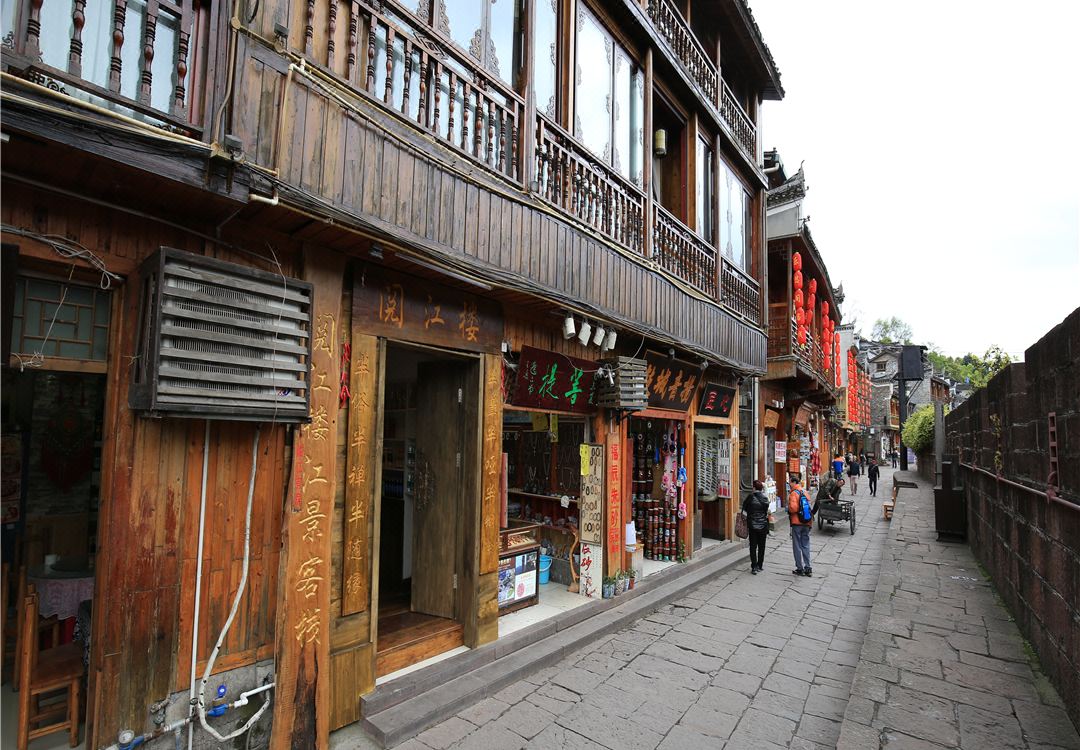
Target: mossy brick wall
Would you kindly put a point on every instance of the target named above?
(1029, 545)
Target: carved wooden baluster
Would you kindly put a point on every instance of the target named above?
(33, 30)
(407, 84)
(388, 89)
(146, 78)
(78, 20)
(436, 82)
(309, 26)
(421, 114)
(331, 36)
(492, 150)
(514, 150)
(451, 96)
(179, 92)
(501, 155)
(350, 59)
(372, 29)
(115, 63)
(478, 126)
(466, 95)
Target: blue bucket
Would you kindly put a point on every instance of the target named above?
(545, 568)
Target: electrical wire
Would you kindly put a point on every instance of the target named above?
(70, 249)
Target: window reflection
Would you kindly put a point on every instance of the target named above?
(489, 30)
(734, 219)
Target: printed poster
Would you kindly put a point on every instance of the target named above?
(781, 452)
(723, 468)
(592, 569)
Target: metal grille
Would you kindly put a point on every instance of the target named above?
(707, 465)
(223, 340)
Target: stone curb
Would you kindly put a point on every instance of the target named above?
(407, 706)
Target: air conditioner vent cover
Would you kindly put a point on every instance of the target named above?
(220, 340)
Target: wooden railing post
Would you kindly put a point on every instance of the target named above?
(647, 166)
(528, 128)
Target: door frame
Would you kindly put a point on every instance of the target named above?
(465, 604)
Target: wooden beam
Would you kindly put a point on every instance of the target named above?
(302, 709)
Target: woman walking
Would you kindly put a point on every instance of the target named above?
(756, 509)
(853, 472)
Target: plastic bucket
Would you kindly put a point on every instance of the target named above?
(545, 568)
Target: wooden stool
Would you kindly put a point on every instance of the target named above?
(48, 671)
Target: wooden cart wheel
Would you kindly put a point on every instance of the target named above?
(820, 522)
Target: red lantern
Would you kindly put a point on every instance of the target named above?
(825, 308)
(798, 299)
(796, 280)
(796, 261)
(811, 301)
(813, 286)
(800, 317)
(802, 336)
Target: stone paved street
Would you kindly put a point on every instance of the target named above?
(919, 655)
(760, 661)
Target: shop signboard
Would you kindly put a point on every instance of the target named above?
(591, 501)
(615, 528)
(549, 380)
(409, 308)
(716, 401)
(517, 578)
(770, 492)
(671, 383)
(723, 469)
(591, 569)
(781, 452)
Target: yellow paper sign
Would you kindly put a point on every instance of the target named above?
(554, 428)
(539, 422)
(584, 460)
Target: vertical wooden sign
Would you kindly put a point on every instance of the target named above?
(359, 472)
(614, 525)
(302, 705)
(591, 502)
(491, 464)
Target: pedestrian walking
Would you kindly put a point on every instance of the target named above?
(838, 466)
(853, 472)
(801, 521)
(895, 457)
(872, 474)
(756, 509)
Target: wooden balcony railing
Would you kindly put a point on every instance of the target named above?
(740, 292)
(575, 181)
(701, 67)
(682, 253)
(741, 126)
(435, 86)
(669, 22)
(130, 57)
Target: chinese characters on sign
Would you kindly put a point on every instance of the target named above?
(592, 565)
(781, 452)
(670, 382)
(716, 401)
(358, 477)
(404, 307)
(548, 380)
(615, 529)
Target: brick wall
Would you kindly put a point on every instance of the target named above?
(1029, 545)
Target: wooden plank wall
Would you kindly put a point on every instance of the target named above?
(151, 476)
(393, 180)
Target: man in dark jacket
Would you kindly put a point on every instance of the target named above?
(872, 474)
(756, 508)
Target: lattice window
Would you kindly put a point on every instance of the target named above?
(59, 319)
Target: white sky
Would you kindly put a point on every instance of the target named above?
(940, 141)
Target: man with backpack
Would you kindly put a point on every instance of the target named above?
(802, 518)
(872, 474)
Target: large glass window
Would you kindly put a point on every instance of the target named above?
(490, 30)
(545, 57)
(706, 201)
(609, 98)
(734, 219)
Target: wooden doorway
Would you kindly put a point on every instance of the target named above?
(430, 423)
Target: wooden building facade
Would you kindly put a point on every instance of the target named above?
(450, 180)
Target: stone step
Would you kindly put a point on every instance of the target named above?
(404, 707)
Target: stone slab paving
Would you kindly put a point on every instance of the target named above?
(742, 661)
(943, 664)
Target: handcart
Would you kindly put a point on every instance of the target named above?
(836, 510)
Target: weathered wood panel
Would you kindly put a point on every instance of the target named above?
(360, 468)
(302, 708)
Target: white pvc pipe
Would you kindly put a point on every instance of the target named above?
(198, 581)
(201, 702)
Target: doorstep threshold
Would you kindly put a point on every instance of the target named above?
(402, 708)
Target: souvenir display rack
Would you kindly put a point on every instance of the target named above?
(658, 486)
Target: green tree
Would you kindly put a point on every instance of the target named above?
(918, 433)
(891, 331)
